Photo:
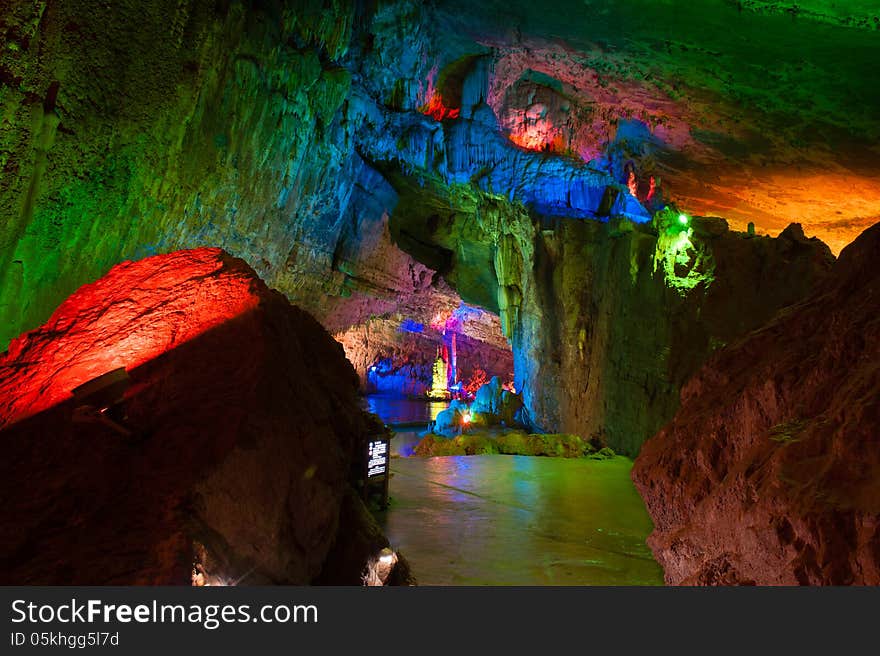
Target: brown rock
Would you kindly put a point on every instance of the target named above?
(245, 425)
(770, 471)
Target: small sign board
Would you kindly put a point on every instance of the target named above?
(377, 464)
(378, 449)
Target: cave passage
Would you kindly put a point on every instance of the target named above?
(561, 255)
(493, 519)
(411, 367)
(438, 347)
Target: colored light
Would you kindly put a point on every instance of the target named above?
(632, 184)
(683, 219)
(118, 322)
(411, 326)
(466, 417)
(438, 110)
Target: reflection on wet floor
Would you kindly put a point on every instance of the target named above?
(395, 410)
(519, 520)
(407, 418)
(511, 520)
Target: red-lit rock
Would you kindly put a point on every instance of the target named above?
(136, 312)
(437, 109)
(770, 471)
(246, 426)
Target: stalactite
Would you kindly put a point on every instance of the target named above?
(509, 270)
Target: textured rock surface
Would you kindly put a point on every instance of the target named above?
(729, 106)
(127, 131)
(616, 323)
(497, 405)
(134, 314)
(246, 423)
(402, 345)
(607, 320)
(770, 471)
(304, 137)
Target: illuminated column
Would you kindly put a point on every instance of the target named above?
(453, 364)
(438, 381)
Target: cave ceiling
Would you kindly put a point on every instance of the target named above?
(757, 112)
(280, 131)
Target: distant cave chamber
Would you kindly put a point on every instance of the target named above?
(448, 356)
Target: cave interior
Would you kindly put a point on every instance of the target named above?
(642, 235)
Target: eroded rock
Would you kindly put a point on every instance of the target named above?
(769, 471)
(608, 323)
(245, 431)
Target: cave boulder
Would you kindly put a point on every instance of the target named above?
(488, 397)
(241, 442)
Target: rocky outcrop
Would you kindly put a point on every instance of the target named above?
(617, 317)
(451, 420)
(233, 450)
(769, 471)
(607, 320)
(137, 312)
(285, 133)
(492, 406)
(496, 405)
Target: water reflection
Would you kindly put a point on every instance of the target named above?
(396, 410)
(407, 417)
(404, 442)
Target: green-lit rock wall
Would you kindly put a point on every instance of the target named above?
(131, 128)
(607, 320)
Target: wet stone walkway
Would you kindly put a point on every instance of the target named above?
(518, 520)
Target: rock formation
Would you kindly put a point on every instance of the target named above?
(770, 471)
(607, 320)
(302, 137)
(377, 161)
(495, 405)
(130, 132)
(722, 108)
(395, 352)
(245, 433)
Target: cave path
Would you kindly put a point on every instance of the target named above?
(519, 520)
